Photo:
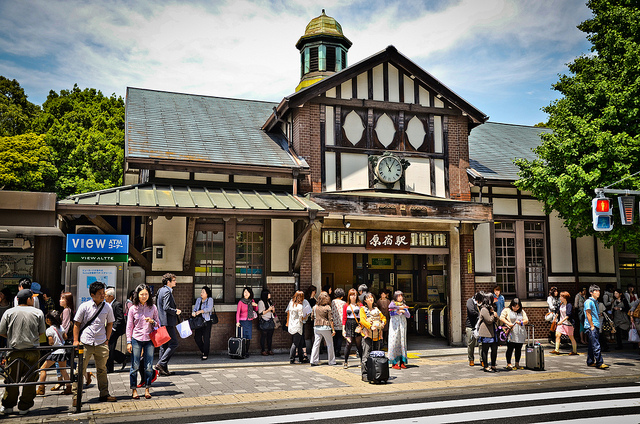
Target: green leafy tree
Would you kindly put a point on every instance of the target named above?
(596, 125)
(16, 112)
(25, 163)
(85, 130)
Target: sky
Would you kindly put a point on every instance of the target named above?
(502, 56)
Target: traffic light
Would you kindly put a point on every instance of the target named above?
(602, 214)
(627, 209)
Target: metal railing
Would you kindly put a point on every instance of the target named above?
(18, 372)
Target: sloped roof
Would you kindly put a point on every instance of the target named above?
(146, 199)
(185, 127)
(494, 146)
(389, 54)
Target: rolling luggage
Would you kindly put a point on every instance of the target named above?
(238, 346)
(534, 355)
(377, 369)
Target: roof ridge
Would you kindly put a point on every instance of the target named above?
(203, 95)
(516, 125)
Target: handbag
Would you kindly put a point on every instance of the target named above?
(633, 334)
(214, 317)
(358, 329)
(550, 316)
(276, 321)
(554, 326)
(159, 336)
(196, 322)
(607, 324)
(266, 324)
(184, 329)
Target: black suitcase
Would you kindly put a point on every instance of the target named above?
(534, 353)
(238, 346)
(377, 369)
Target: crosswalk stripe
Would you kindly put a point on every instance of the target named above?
(619, 419)
(458, 403)
(522, 411)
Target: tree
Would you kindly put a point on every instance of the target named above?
(16, 112)
(596, 125)
(25, 163)
(85, 130)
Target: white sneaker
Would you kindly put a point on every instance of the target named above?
(6, 411)
(23, 412)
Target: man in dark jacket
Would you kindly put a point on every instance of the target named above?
(119, 328)
(168, 314)
(472, 318)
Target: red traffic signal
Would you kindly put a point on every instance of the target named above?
(602, 214)
(602, 205)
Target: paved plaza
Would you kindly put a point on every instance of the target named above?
(223, 381)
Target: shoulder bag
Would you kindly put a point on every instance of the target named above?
(214, 316)
(91, 319)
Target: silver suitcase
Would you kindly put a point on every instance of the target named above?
(534, 354)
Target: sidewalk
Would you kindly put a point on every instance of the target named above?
(224, 381)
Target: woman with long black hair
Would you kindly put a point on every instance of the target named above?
(266, 323)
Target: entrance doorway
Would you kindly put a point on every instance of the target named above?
(422, 278)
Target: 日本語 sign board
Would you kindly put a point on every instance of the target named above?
(98, 243)
(388, 240)
(87, 274)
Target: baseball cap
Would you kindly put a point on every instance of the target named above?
(23, 296)
(35, 287)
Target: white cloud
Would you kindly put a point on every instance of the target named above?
(246, 48)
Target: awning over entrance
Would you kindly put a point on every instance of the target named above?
(387, 204)
(184, 200)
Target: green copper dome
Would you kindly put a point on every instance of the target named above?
(323, 25)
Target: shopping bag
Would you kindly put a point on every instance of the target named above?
(184, 329)
(633, 334)
(159, 336)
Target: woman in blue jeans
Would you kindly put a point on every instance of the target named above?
(142, 319)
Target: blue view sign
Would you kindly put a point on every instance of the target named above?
(97, 243)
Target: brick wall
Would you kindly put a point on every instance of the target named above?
(458, 158)
(306, 142)
(221, 332)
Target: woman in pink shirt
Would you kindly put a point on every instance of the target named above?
(246, 312)
(141, 320)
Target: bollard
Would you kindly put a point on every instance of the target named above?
(79, 379)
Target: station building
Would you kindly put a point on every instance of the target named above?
(369, 173)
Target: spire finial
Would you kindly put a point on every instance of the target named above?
(323, 11)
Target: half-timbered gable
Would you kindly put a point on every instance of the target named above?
(385, 103)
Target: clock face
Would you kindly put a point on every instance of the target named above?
(389, 169)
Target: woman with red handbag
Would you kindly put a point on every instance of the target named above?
(141, 321)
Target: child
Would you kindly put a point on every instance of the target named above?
(55, 337)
